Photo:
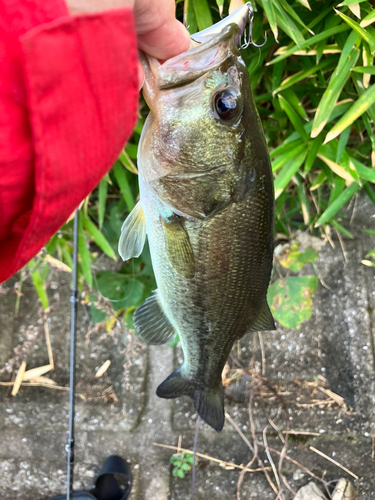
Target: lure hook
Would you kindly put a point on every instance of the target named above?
(250, 40)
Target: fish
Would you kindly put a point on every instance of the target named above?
(207, 207)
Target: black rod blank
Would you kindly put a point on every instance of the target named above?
(73, 328)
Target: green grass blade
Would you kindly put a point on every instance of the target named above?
(338, 79)
(365, 173)
(284, 158)
(124, 186)
(301, 75)
(271, 18)
(189, 14)
(305, 3)
(342, 143)
(98, 237)
(286, 174)
(285, 147)
(294, 15)
(83, 252)
(339, 202)
(202, 14)
(38, 284)
(370, 39)
(340, 228)
(350, 2)
(369, 19)
(102, 199)
(364, 69)
(364, 102)
(313, 151)
(310, 42)
(288, 25)
(294, 101)
(293, 117)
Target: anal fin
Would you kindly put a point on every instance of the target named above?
(133, 234)
(151, 323)
(264, 320)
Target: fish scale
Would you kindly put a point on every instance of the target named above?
(206, 204)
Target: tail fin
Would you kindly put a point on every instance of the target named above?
(209, 402)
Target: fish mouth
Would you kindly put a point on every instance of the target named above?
(240, 17)
(208, 49)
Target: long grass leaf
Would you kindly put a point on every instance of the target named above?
(369, 19)
(98, 237)
(338, 169)
(365, 173)
(102, 199)
(313, 151)
(310, 42)
(301, 75)
(293, 117)
(38, 284)
(333, 91)
(364, 69)
(83, 252)
(284, 158)
(124, 186)
(294, 15)
(364, 102)
(286, 174)
(270, 14)
(305, 3)
(288, 25)
(370, 39)
(189, 17)
(340, 201)
(202, 14)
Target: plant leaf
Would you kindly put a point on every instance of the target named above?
(202, 14)
(290, 299)
(365, 101)
(364, 69)
(83, 251)
(38, 284)
(98, 237)
(271, 18)
(124, 186)
(103, 189)
(339, 202)
(286, 174)
(369, 19)
(361, 31)
(294, 118)
(335, 86)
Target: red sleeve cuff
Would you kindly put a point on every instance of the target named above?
(81, 79)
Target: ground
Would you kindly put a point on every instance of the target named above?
(322, 376)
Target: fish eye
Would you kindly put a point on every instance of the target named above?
(226, 104)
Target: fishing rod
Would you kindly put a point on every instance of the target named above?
(73, 328)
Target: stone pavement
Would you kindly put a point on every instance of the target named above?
(333, 351)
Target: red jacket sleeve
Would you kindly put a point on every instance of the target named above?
(70, 100)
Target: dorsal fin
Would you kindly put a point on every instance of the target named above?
(151, 323)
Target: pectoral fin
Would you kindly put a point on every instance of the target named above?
(264, 320)
(178, 247)
(151, 323)
(133, 234)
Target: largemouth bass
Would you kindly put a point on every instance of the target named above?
(206, 204)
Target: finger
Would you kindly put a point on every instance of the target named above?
(159, 33)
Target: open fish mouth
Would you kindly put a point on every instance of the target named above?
(240, 18)
(207, 51)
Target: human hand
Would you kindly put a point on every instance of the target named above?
(159, 34)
